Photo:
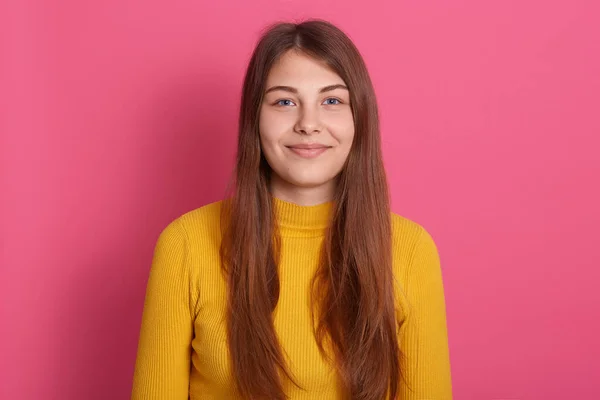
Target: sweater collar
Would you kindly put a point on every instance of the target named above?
(302, 221)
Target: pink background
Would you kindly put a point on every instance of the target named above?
(118, 116)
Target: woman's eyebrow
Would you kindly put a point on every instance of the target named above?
(294, 90)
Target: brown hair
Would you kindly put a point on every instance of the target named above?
(353, 287)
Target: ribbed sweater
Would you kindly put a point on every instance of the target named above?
(182, 350)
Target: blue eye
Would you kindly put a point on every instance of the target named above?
(331, 101)
(279, 102)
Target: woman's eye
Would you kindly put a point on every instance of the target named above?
(284, 102)
(332, 101)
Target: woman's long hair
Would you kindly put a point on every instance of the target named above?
(353, 287)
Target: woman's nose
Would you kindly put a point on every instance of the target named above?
(308, 122)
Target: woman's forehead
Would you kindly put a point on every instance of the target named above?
(299, 70)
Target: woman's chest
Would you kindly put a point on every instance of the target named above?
(211, 370)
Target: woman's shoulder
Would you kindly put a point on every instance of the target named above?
(204, 215)
(198, 226)
(416, 262)
(407, 231)
(410, 242)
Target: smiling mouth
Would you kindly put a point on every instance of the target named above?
(308, 153)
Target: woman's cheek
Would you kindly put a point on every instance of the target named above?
(341, 123)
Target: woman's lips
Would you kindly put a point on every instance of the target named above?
(308, 153)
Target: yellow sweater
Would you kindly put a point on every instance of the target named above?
(182, 349)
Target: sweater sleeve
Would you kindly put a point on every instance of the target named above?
(424, 335)
(162, 366)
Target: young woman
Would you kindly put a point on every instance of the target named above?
(302, 284)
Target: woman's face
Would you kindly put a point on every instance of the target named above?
(305, 103)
